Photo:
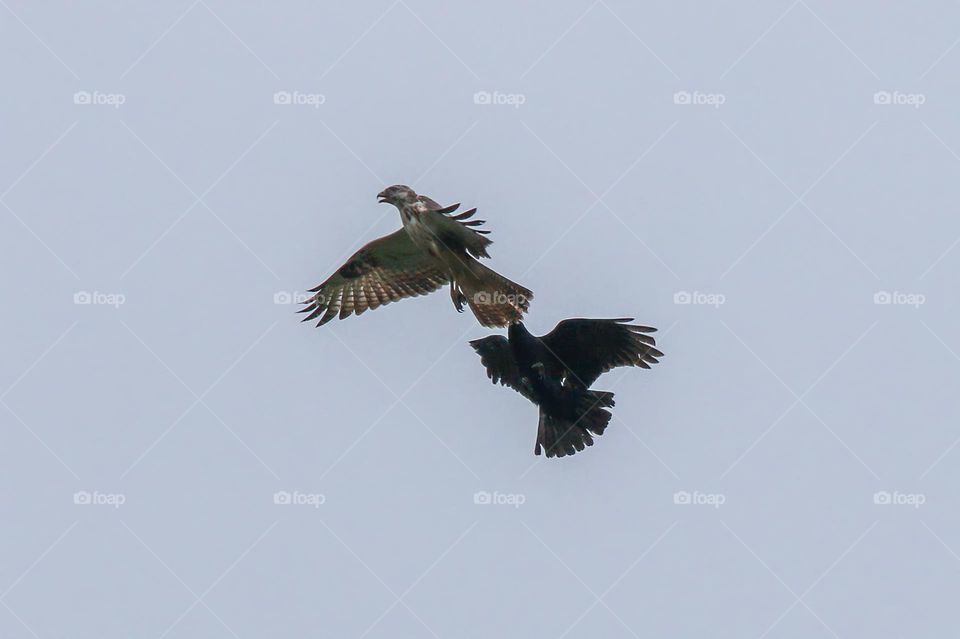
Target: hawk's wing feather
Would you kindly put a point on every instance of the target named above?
(466, 215)
(583, 349)
(496, 356)
(433, 205)
(385, 270)
(453, 230)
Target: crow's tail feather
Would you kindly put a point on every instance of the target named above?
(559, 437)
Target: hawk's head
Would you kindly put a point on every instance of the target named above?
(398, 195)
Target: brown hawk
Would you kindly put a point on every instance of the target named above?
(433, 248)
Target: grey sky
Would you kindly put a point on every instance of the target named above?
(773, 185)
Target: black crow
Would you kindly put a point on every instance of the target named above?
(555, 372)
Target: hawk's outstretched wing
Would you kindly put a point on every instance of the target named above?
(387, 269)
(583, 349)
(496, 356)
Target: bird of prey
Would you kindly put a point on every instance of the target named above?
(555, 372)
(432, 249)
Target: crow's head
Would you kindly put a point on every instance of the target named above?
(398, 195)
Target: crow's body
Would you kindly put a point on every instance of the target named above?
(545, 391)
(555, 372)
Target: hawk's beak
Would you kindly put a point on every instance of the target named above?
(381, 198)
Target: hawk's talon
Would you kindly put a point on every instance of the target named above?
(458, 298)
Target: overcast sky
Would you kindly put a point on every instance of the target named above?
(771, 184)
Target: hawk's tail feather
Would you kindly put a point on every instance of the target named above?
(494, 300)
(558, 437)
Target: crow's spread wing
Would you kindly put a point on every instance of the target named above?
(496, 356)
(385, 270)
(583, 349)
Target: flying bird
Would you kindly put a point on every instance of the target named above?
(555, 372)
(434, 248)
